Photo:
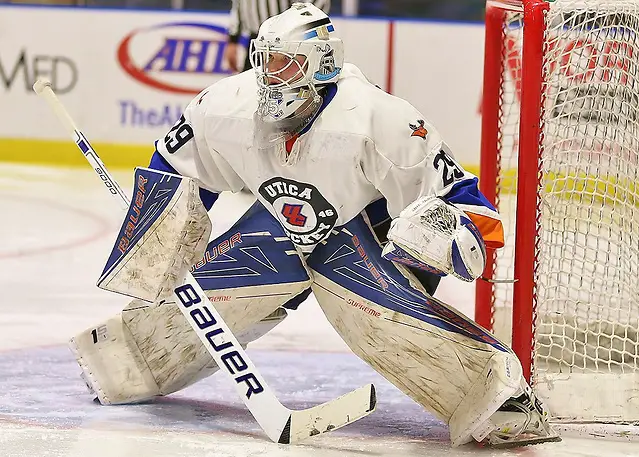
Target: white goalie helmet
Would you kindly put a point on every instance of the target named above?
(294, 53)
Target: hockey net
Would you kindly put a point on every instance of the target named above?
(560, 159)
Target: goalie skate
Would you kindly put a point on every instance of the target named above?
(520, 421)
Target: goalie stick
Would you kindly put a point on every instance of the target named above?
(281, 424)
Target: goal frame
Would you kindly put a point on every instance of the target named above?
(529, 178)
(519, 41)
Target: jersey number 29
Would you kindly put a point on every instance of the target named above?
(178, 136)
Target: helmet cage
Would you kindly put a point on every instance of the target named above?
(288, 96)
(274, 79)
(319, 66)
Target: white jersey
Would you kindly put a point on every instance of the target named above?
(364, 145)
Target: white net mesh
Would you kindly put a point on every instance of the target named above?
(587, 255)
(507, 162)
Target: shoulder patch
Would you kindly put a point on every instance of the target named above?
(419, 129)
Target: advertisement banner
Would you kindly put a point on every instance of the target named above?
(125, 76)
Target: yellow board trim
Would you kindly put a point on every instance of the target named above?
(63, 153)
(66, 154)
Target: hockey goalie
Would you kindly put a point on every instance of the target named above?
(359, 201)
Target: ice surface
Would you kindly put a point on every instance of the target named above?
(56, 229)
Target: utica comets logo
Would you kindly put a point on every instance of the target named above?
(306, 216)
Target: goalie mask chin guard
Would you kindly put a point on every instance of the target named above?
(294, 54)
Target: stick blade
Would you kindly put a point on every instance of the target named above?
(525, 442)
(330, 416)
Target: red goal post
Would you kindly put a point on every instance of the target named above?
(560, 160)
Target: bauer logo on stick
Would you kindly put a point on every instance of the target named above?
(205, 321)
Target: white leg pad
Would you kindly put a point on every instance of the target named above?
(499, 380)
(461, 381)
(150, 350)
(112, 365)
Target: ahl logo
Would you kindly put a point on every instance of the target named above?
(306, 216)
(418, 130)
(177, 57)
